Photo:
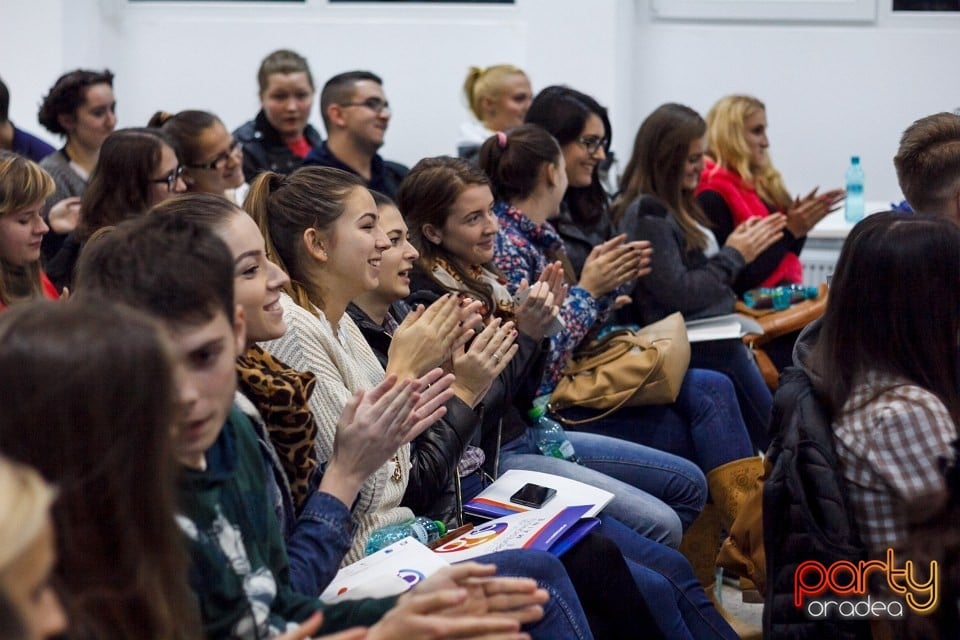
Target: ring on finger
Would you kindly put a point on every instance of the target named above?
(496, 357)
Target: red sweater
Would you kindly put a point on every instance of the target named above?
(744, 202)
(49, 291)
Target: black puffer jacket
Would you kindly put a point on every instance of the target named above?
(263, 150)
(434, 453)
(806, 515)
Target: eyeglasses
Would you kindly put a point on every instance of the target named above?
(374, 104)
(235, 150)
(171, 178)
(592, 143)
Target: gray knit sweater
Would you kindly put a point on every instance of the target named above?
(68, 182)
(342, 366)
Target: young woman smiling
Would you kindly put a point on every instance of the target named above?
(449, 207)
(321, 226)
(643, 580)
(313, 503)
(212, 158)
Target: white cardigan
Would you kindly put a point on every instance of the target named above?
(342, 366)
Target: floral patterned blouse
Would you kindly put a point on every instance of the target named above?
(521, 252)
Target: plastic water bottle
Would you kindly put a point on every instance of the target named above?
(854, 210)
(550, 436)
(422, 529)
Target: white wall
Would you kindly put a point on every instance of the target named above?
(173, 56)
(831, 89)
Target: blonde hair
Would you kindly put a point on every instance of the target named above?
(486, 83)
(25, 500)
(22, 184)
(727, 146)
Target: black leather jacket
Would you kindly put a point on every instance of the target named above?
(263, 150)
(514, 390)
(434, 453)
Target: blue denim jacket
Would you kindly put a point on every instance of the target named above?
(320, 537)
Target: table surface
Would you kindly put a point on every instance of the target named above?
(835, 227)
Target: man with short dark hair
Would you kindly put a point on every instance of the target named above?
(928, 165)
(356, 113)
(13, 139)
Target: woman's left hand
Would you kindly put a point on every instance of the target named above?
(489, 354)
(537, 311)
(554, 277)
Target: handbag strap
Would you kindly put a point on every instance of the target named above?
(605, 351)
(570, 422)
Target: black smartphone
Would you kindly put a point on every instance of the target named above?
(533, 495)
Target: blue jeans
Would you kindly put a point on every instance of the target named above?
(674, 596)
(733, 359)
(704, 424)
(563, 617)
(656, 494)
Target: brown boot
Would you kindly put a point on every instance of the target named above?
(700, 545)
(737, 489)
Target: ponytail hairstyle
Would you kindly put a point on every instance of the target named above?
(873, 323)
(286, 206)
(563, 112)
(486, 83)
(656, 168)
(119, 186)
(513, 160)
(184, 130)
(23, 183)
(426, 196)
(727, 146)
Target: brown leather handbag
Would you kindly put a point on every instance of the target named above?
(625, 369)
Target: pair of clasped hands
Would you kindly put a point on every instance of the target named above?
(460, 601)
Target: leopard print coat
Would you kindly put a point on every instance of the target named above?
(280, 394)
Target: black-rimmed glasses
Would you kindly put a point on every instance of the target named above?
(218, 163)
(592, 143)
(171, 178)
(374, 104)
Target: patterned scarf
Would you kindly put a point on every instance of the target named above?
(446, 275)
(280, 395)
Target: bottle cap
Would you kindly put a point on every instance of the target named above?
(854, 159)
(535, 412)
(443, 528)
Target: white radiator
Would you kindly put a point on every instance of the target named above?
(818, 265)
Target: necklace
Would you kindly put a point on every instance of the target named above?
(397, 471)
